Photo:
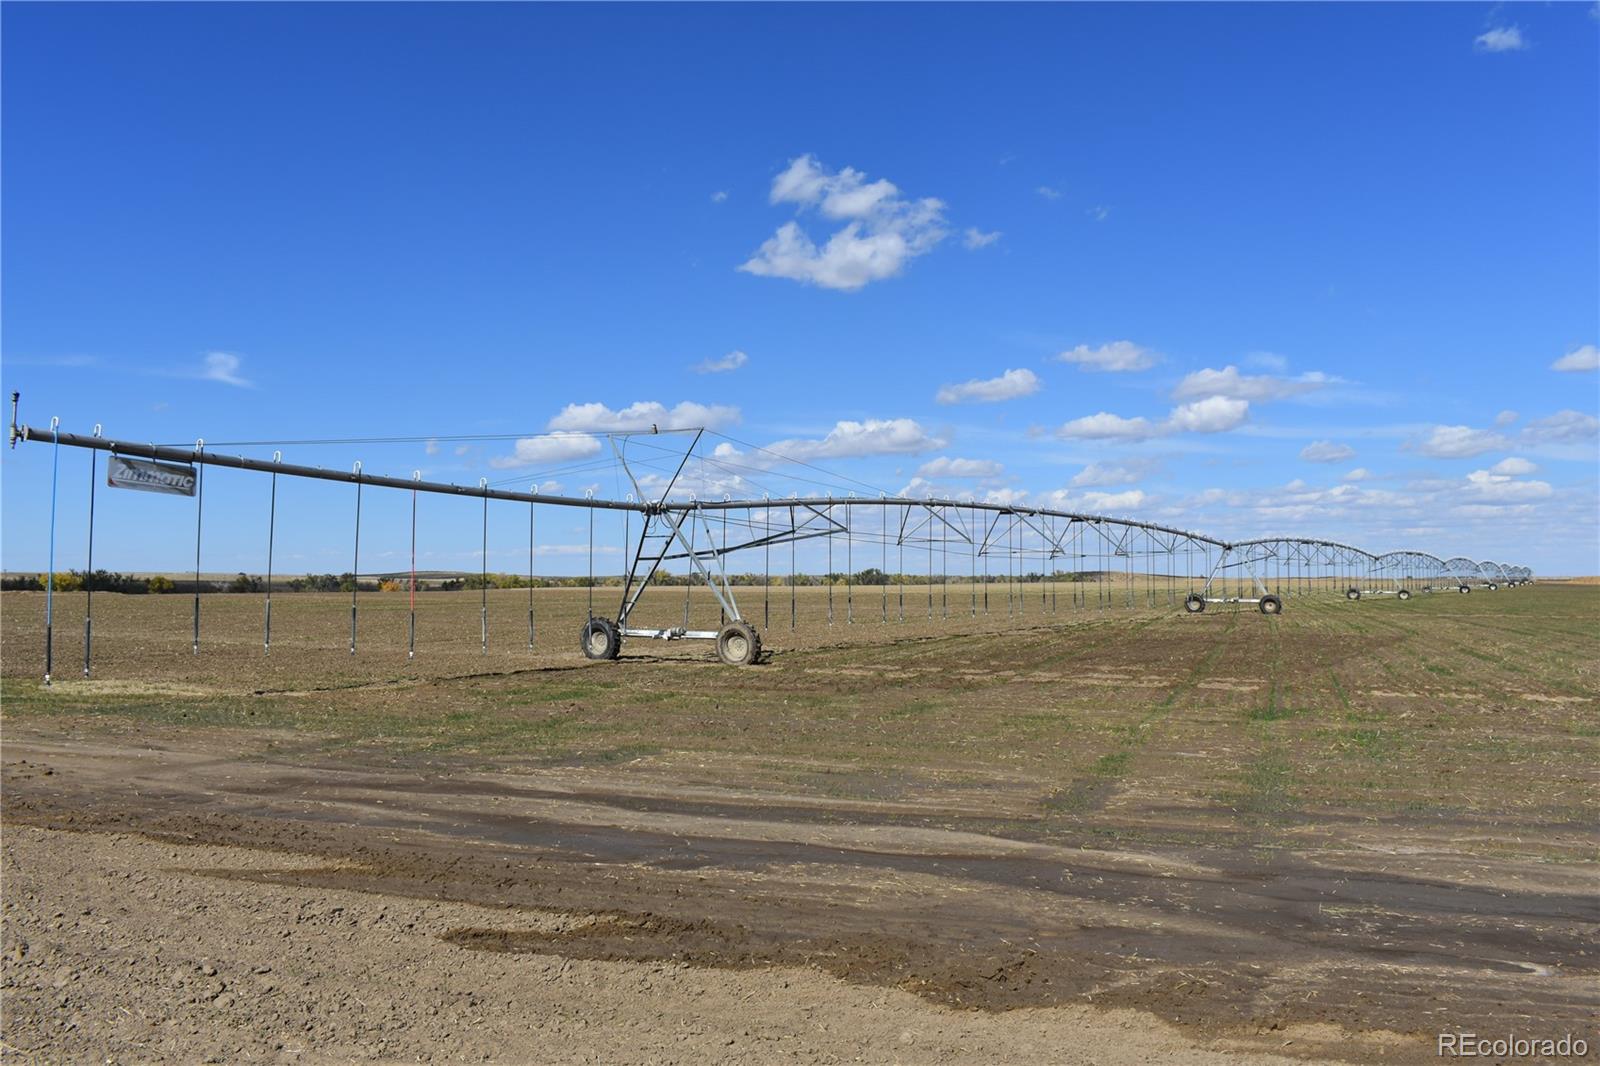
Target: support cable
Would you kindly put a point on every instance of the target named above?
(849, 566)
(355, 565)
(1127, 568)
(88, 569)
(828, 578)
(532, 631)
(483, 575)
(1047, 558)
(944, 569)
(272, 531)
(688, 584)
(984, 551)
(900, 563)
(50, 574)
(411, 622)
(766, 583)
(1105, 566)
(884, 579)
(972, 563)
(199, 513)
(1011, 562)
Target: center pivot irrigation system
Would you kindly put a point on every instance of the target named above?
(1088, 560)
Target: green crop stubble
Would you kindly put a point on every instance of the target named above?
(1093, 785)
(1333, 705)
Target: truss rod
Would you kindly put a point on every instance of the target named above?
(202, 457)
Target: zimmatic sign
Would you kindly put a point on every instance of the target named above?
(146, 475)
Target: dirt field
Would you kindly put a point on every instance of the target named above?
(1087, 835)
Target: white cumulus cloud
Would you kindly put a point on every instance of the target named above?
(1459, 442)
(1008, 386)
(1257, 388)
(1584, 358)
(1500, 39)
(224, 367)
(1512, 466)
(944, 466)
(975, 238)
(1107, 426)
(1500, 488)
(1214, 414)
(732, 361)
(1097, 475)
(1326, 451)
(1563, 427)
(598, 418)
(547, 450)
(1006, 497)
(1113, 501)
(1116, 356)
(850, 439)
(1096, 502)
(882, 230)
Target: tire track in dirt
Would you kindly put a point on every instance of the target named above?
(1090, 794)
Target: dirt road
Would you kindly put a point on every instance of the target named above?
(564, 914)
(124, 950)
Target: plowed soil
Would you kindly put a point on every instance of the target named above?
(1086, 835)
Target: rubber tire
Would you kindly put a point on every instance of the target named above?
(600, 639)
(1352, 594)
(1404, 594)
(1493, 587)
(738, 644)
(1465, 589)
(1270, 604)
(1194, 604)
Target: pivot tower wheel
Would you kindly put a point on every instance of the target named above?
(738, 644)
(1352, 594)
(1493, 587)
(1270, 604)
(600, 639)
(1194, 604)
(1404, 594)
(1465, 589)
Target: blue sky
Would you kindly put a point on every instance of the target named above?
(1246, 269)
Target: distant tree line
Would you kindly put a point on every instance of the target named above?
(870, 576)
(108, 581)
(92, 581)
